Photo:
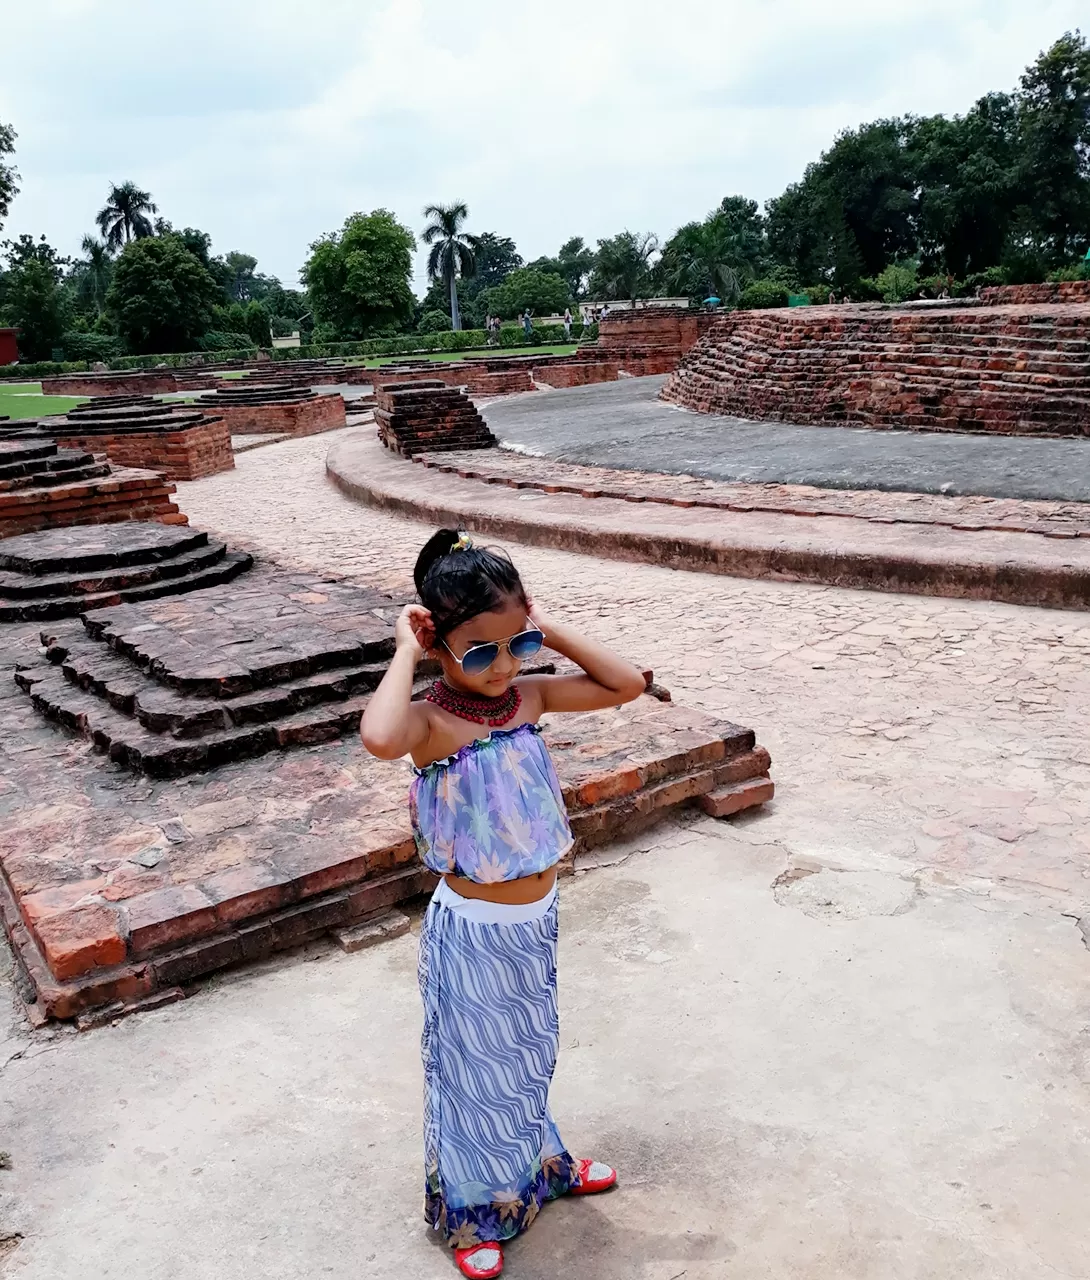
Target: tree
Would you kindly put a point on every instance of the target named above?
(966, 169)
(622, 265)
(719, 256)
(124, 216)
(452, 250)
(494, 258)
(9, 175)
(93, 273)
(576, 262)
(541, 291)
(1054, 149)
(35, 302)
(358, 277)
(162, 298)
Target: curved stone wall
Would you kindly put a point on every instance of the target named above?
(1017, 370)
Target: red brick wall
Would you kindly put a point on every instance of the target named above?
(198, 451)
(306, 418)
(654, 327)
(9, 348)
(973, 369)
(1029, 294)
(124, 495)
(577, 374)
(150, 382)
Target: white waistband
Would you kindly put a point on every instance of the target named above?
(480, 911)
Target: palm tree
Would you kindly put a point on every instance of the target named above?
(452, 250)
(124, 216)
(622, 265)
(94, 271)
(711, 257)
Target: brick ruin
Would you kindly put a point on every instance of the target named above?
(1061, 291)
(64, 572)
(124, 899)
(274, 407)
(43, 486)
(1016, 369)
(414, 417)
(138, 382)
(180, 440)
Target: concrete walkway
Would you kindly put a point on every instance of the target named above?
(622, 424)
(877, 1071)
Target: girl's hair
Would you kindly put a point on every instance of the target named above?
(456, 580)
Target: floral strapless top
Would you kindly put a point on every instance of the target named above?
(492, 811)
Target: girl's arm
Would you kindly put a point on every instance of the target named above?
(607, 679)
(392, 723)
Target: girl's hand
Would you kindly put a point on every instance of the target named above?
(415, 630)
(539, 617)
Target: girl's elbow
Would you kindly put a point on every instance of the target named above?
(380, 745)
(633, 687)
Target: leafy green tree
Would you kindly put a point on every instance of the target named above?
(542, 292)
(494, 258)
(162, 298)
(452, 250)
(35, 301)
(1054, 146)
(240, 275)
(719, 256)
(622, 266)
(898, 282)
(124, 216)
(92, 274)
(358, 277)
(576, 262)
(258, 324)
(434, 322)
(9, 175)
(966, 169)
(761, 294)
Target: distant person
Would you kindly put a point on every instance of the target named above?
(490, 329)
(527, 323)
(603, 313)
(567, 324)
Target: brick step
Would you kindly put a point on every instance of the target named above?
(58, 461)
(52, 480)
(98, 670)
(22, 586)
(225, 568)
(160, 755)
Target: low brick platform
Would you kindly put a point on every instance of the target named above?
(63, 572)
(1033, 553)
(181, 441)
(117, 887)
(414, 416)
(1007, 369)
(276, 407)
(44, 487)
(126, 382)
(484, 377)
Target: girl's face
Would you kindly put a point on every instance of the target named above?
(485, 628)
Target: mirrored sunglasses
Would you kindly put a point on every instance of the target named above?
(480, 657)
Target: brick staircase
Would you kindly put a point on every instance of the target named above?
(43, 487)
(428, 415)
(1015, 370)
(63, 572)
(281, 407)
(182, 441)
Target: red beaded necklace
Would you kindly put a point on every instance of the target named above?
(475, 706)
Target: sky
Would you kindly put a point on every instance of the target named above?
(267, 124)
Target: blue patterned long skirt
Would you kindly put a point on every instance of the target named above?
(492, 1153)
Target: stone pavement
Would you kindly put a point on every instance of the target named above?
(844, 1037)
(622, 424)
(997, 549)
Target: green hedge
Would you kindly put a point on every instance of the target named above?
(403, 345)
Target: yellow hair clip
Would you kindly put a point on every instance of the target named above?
(463, 544)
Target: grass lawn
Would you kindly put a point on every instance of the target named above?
(25, 400)
(563, 349)
(231, 373)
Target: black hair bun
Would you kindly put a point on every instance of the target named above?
(437, 546)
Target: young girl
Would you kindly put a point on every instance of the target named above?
(488, 815)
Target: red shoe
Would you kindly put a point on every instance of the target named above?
(593, 1177)
(463, 1257)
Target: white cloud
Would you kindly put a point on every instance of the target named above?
(267, 123)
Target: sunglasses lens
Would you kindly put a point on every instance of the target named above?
(479, 659)
(526, 644)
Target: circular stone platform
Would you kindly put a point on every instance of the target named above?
(623, 424)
